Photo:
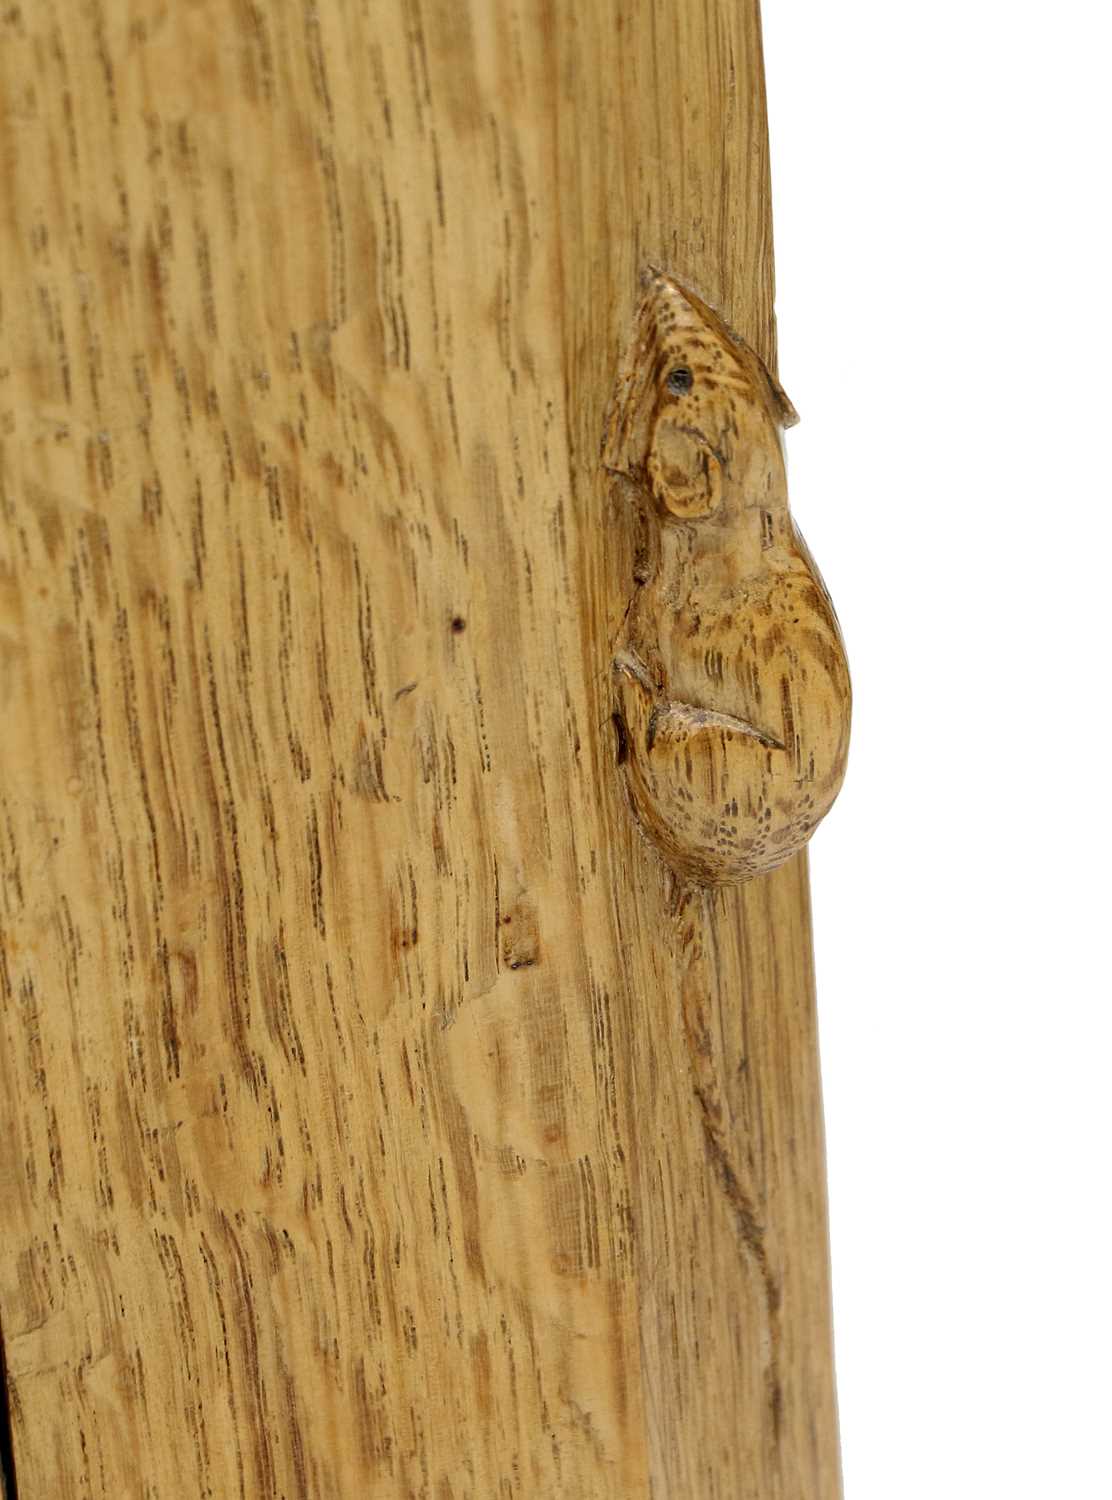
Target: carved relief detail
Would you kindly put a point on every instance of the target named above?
(732, 693)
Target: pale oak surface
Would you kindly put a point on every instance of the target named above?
(377, 1118)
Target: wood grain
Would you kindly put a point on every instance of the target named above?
(378, 1114)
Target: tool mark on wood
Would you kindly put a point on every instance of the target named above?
(692, 919)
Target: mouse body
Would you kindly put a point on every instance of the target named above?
(731, 689)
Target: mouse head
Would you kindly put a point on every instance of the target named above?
(696, 417)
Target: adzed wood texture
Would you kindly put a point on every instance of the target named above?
(380, 1115)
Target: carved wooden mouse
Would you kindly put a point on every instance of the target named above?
(731, 684)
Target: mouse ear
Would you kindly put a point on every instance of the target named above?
(685, 475)
(788, 414)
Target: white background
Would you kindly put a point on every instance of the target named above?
(941, 182)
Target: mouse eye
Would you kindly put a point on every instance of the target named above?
(680, 380)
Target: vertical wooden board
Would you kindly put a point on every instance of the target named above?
(716, 994)
(377, 1117)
